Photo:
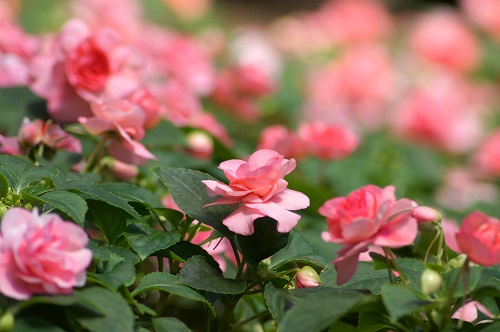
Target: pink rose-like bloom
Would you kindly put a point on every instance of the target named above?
(487, 158)
(479, 238)
(259, 187)
(41, 254)
(484, 13)
(327, 142)
(442, 37)
(281, 140)
(46, 132)
(367, 216)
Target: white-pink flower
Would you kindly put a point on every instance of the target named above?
(41, 254)
(259, 187)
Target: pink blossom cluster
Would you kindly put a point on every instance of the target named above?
(41, 254)
(258, 187)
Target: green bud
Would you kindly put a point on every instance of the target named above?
(457, 261)
(430, 281)
(6, 322)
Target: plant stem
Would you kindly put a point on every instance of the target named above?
(391, 256)
(251, 318)
(94, 156)
(227, 315)
(162, 303)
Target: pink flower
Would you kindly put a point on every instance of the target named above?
(367, 216)
(469, 311)
(479, 238)
(484, 13)
(442, 37)
(487, 158)
(50, 134)
(41, 254)
(281, 140)
(328, 142)
(355, 21)
(259, 187)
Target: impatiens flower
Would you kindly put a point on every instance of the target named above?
(327, 142)
(282, 140)
(479, 238)
(41, 254)
(368, 216)
(259, 187)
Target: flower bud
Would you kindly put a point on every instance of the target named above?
(426, 214)
(430, 281)
(307, 277)
(264, 267)
(6, 322)
(457, 261)
(200, 144)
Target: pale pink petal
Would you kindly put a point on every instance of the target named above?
(129, 152)
(10, 145)
(347, 261)
(290, 199)
(10, 284)
(230, 166)
(260, 158)
(218, 188)
(241, 220)
(401, 232)
(96, 126)
(450, 230)
(14, 222)
(286, 219)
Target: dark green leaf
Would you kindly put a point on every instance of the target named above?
(264, 242)
(168, 283)
(132, 193)
(116, 272)
(401, 301)
(71, 204)
(35, 324)
(461, 289)
(164, 324)
(198, 274)
(365, 278)
(20, 172)
(412, 269)
(276, 301)
(110, 220)
(190, 194)
(297, 250)
(146, 240)
(117, 315)
(95, 192)
(319, 310)
(185, 250)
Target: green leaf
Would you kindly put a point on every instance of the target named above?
(276, 301)
(117, 315)
(319, 310)
(164, 324)
(401, 301)
(71, 204)
(297, 250)
(20, 172)
(473, 280)
(164, 136)
(365, 278)
(110, 220)
(34, 324)
(412, 269)
(146, 240)
(373, 320)
(264, 242)
(117, 272)
(198, 274)
(14, 103)
(168, 283)
(173, 216)
(132, 193)
(190, 194)
(95, 192)
(185, 250)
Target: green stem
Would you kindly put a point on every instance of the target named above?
(391, 256)
(94, 156)
(160, 263)
(438, 235)
(162, 303)
(249, 319)
(227, 315)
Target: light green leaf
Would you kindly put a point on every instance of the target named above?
(319, 310)
(168, 324)
(20, 172)
(401, 301)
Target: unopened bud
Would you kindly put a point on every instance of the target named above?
(430, 281)
(6, 322)
(426, 214)
(457, 261)
(200, 144)
(264, 267)
(307, 278)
